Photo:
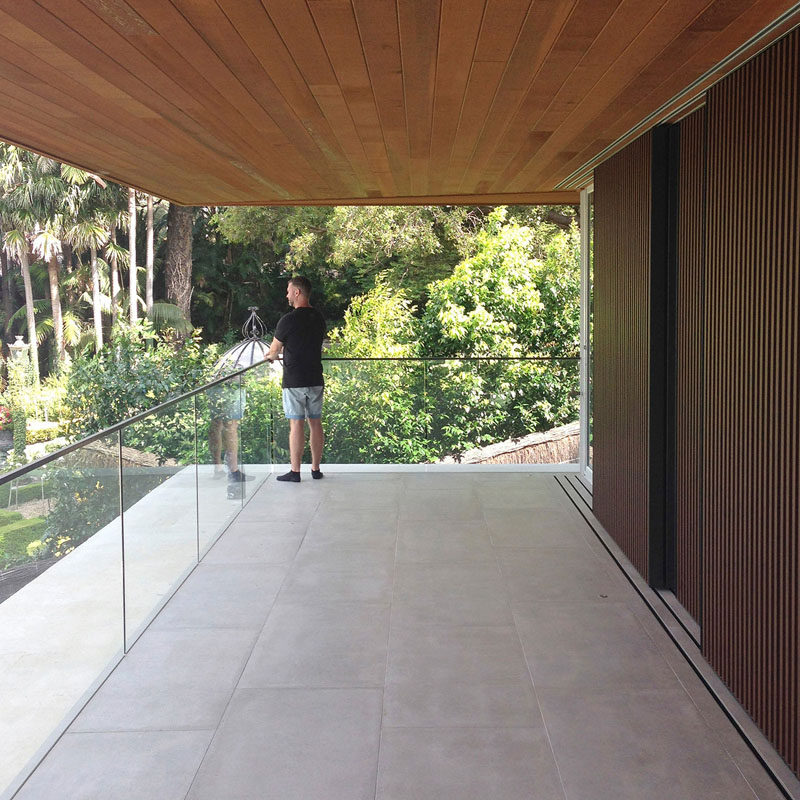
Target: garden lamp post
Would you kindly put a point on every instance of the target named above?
(19, 349)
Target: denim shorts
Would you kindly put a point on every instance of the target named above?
(303, 401)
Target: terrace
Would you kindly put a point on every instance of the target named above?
(502, 652)
(408, 634)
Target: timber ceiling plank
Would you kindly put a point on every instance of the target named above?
(380, 38)
(539, 33)
(585, 22)
(189, 60)
(336, 23)
(500, 30)
(458, 37)
(419, 34)
(364, 101)
(296, 27)
(64, 45)
(255, 27)
(626, 45)
(47, 85)
(211, 24)
(703, 43)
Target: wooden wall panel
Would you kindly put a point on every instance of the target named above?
(690, 247)
(622, 197)
(751, 507)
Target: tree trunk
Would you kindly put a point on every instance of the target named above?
(8, 297)
(178, 266)
(113, 266)
(55, 303)
(150, 255)
(24, 265)
(132, 276)
(98, 317)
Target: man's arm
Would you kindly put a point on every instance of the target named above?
(274, 351)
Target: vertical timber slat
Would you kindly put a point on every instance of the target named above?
(751, 491)
(622, 199)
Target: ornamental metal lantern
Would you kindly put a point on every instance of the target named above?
(19, 349)
(250, 351)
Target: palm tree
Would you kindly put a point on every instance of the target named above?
(133, 289)
(15, 243)
(150, 256)
(91, 233)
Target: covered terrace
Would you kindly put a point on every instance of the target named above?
(460, 635)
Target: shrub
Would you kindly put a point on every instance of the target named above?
(15, 538)
(7, 517)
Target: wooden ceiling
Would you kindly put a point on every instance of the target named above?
(217, 102)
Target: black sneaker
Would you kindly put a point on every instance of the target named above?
(291, 475)
(239, 477)
(316, 474)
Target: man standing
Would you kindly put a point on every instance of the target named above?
(299, 335)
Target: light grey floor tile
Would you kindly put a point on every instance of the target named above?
(439, 481)
(457, 594)
(559, 574)
(157, 765)
(251, 544)
(532, 527)
(629, 746)
(529, 493)
(347, 498)
(223, 595)
(454, 505)
(455, 653)
(276, 744)
(343, 557)
(467, 764)
(315, 585)
(590, 646)
(440, 542)
(321, 646)
(409, 704)
(170, 680)
(457, 676)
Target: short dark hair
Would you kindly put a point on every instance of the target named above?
(301, 283)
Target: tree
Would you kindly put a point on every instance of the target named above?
(150, 256)
(133, 283)
(178, 265)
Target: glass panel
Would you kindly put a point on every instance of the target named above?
(159, 493)
(374, 412)
(219, 496)
(261, 394)
(61, 593)
(504, 411)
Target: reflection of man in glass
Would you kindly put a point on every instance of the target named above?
(226, 405)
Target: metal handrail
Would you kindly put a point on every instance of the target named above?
(118, 426)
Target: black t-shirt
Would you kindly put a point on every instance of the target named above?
(301, 331)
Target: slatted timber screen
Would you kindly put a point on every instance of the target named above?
(690, 245)
(622, 188)
(751, 572)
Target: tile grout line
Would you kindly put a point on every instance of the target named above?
(388, 639)
(524, 658)
(247, 660)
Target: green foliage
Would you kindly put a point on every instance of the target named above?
(138, 370)
(84, 498)
(20, 431)
(22, 494)
(15, 538)
(7, 517)
(374, 410)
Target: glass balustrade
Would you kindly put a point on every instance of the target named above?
(94, 539)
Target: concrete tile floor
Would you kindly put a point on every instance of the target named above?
(403, 635)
